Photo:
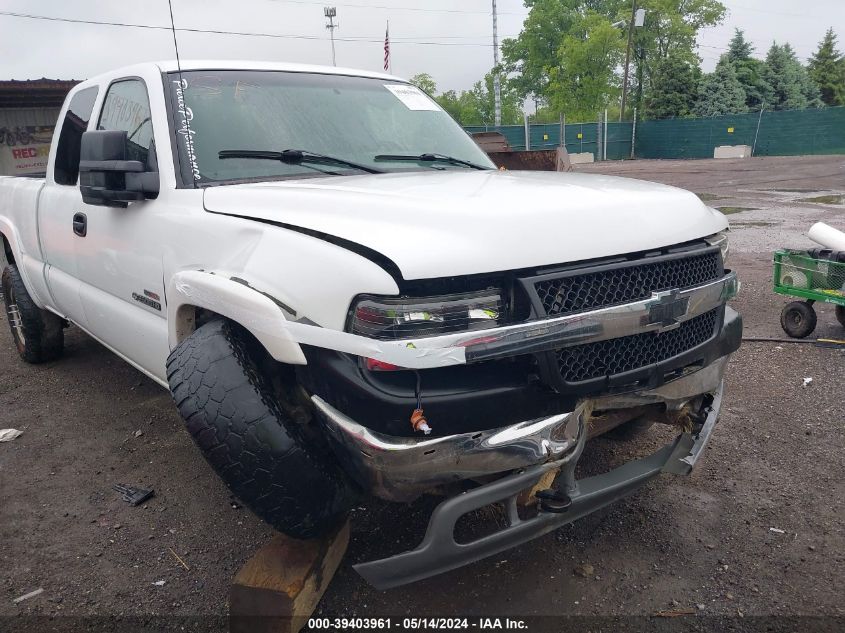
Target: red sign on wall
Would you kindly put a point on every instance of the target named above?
(24, 149)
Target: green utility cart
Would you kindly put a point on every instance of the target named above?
(815, 275)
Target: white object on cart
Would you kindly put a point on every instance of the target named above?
(827, 236)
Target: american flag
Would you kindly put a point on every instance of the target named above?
(387, 47)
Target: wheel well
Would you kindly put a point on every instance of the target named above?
(7, 250)
(189, 318)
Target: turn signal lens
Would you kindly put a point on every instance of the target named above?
(720, 239)
(380, 365)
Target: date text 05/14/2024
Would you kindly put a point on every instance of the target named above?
(417, 624)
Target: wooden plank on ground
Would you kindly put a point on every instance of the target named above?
(277, 590)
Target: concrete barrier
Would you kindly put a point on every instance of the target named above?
(583, 157)
(732, 151)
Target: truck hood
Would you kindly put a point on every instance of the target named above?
(445, 223)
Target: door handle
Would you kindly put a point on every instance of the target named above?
(80, 224)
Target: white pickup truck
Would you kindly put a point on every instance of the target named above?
(346, 298)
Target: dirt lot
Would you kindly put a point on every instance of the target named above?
(703, 543)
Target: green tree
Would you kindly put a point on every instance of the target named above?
(671, 28)
(720, 92)
(827, 69)
(424, 82)
(790, 85)
(584, 81)
(477, 106)
(739, 49)
(749, 71)
(457, 107)
(536, 66)
(530, 57)
(674, 89)
(484, 99)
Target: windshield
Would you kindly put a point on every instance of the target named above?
(354, 119)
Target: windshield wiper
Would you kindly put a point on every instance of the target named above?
(429, 158)
(295, 157)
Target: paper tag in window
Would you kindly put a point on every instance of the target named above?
(412, 97)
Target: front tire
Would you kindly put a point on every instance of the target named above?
(38, 335)
(232, 412)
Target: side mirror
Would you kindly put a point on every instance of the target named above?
(106, 177)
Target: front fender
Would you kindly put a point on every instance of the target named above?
(265, 319)
(235, 300)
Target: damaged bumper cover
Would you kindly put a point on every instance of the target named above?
(440, 551)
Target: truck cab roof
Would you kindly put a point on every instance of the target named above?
(171, 65)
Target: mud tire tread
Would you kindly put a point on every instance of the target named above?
(230, 410)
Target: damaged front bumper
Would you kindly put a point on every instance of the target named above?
(402, 468)
(440, 551)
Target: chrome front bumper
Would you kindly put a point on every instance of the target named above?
(400, 469)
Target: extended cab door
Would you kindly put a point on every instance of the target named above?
(60, 202)
(120, 258)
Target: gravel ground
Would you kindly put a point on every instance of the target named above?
(703, 543)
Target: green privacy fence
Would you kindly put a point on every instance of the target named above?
(580, 137)
(781, 133)
(778, 133)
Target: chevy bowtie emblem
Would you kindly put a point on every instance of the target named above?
(666, 309)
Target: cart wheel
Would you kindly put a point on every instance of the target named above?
(798, 319)
(840, 315)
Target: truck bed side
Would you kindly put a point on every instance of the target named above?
(19, 199)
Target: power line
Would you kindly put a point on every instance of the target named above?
(156, 27)
(454, 37)
(795, 48)
(394, 8)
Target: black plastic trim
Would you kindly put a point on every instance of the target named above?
(459, 399)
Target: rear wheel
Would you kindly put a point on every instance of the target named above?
(840, 315)
(261, 450)
(38, 335)
(798, 319)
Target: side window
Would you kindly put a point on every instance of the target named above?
(127, 108)
(66, 169)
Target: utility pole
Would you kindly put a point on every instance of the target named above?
(627, 58)
(331, 14)
(497, 86)
(637, 20)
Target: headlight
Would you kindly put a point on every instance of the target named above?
(720, 239)
(389, 318)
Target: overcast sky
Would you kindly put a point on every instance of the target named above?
(450, 40)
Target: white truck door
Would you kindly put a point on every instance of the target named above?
(120, 258)
(60, 201)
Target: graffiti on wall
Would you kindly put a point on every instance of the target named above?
(24, 149)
